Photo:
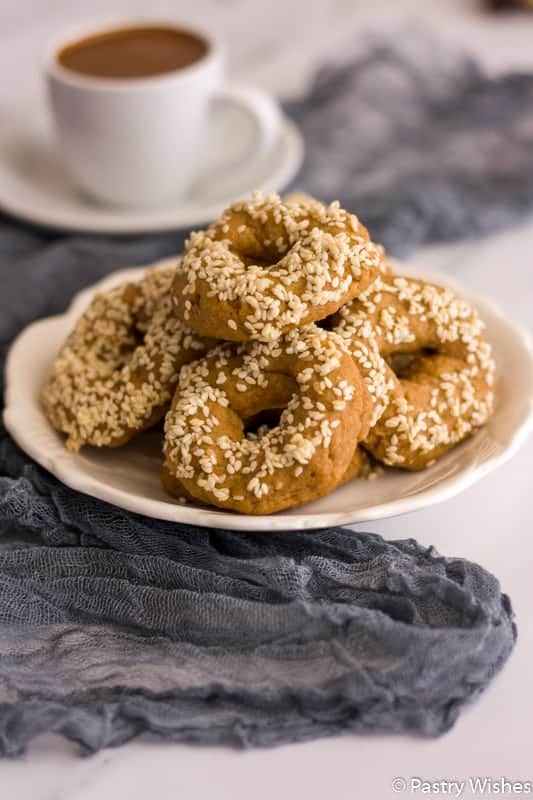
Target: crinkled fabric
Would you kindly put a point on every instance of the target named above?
(112, 624)
(419, 141)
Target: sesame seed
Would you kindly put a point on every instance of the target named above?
(320, 257)
(238, 470)
(120, 365)
(396, 315)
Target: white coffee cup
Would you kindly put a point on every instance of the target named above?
(142, 142)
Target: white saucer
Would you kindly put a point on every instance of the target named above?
(129, 477)
(35, 187)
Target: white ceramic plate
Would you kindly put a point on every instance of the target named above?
(129, 477)
(34, 185)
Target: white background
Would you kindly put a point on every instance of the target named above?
(278, 43)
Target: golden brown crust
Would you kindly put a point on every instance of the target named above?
(302, 458)
(116, 373)
(360, 466)
(266, 267)
(441, 397)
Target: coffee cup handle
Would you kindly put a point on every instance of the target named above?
(263, 110)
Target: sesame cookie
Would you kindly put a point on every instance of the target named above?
(266, 267)
(117, 371)
(359, 467)
(301, 458)
(444, 388)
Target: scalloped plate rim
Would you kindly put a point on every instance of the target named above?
(57, 460)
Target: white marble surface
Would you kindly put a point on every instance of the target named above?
(278, 43)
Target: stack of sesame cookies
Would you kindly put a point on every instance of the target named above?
(283, 350)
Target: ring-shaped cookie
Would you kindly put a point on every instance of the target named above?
(117, 371)
(266, 267)
(444, 389)
(303, 457)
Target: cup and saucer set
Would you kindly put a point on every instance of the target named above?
(165, 147)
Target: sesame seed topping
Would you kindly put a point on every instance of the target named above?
(442, 397)
(207, 448)
(276, 265)
(118, 369)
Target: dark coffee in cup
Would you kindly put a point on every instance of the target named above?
(135, 52)
(132, 107)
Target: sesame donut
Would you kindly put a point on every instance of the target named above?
(359, 466)
(304, 456)
(444, 387)
(266, 267)
(117, 371)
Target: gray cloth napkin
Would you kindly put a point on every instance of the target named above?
(417, 140)
(112, 624)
